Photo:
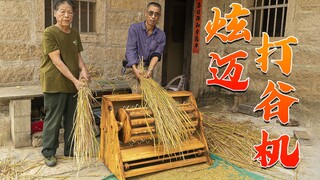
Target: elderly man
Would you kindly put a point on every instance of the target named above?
(62, 67)
(145, 41)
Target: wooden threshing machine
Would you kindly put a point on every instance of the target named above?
(127, 146)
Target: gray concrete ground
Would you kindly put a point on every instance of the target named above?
(33, 167)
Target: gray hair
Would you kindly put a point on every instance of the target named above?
(154, 4)
(57, 3)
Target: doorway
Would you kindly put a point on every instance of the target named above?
(178, 29)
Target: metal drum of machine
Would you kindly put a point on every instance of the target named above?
(128, 136)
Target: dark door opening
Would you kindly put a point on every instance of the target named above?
(178, 29)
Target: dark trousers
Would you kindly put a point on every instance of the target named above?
(58, 106)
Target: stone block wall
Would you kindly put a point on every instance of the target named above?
(22, 24)
(19, 49)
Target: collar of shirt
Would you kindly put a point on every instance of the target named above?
(143, 25)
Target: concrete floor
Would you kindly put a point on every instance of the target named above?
(32, 161)
(65, 169)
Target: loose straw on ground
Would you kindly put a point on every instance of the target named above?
(10, 169)
(13, 168)
(233, 141)
(85, 143)
(172, 124)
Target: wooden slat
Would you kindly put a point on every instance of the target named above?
(162, 159)
(144, 137)
(129, 97)
(187, 107)
(139, 112)
(143, 152)
(165, 166)
(110, 145)
(143, 130)
(142, 121)
(125, 120)
(143, 112)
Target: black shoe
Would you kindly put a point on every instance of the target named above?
(50, 161)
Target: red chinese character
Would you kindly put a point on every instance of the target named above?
(275, 102)
(270, 151)
(285, 63)
(230, 78)
(235, 27)
(213, 27)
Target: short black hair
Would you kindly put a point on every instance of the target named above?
(57, 3)
(154, 4)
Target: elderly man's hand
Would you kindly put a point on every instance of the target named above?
(78, 84)
(84, 74)
(148, 74)
(137, 72)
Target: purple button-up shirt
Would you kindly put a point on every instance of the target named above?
(140, 45)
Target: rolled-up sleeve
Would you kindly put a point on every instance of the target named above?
(159, 50)
(131, 48)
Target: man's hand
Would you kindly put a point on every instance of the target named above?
(78, 84)
(84, 74)
(148, 74)
(137, 72)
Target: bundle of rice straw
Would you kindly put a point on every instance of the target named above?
(233, 141)
(172, 123)
(85, 143)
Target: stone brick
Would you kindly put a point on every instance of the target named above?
(16, 73)
(112, 72)
(119, 54)
(15, 10)
(127, 5)
(120, 19)
(248, 109)
(306, 55)
(307, 37)
(117, 38)
(309, 5)
(87, 38)
(95, 54)
(38, 6)
(20, 108)
(22, 139)
(101, 11)
(307, 21)
(20, 124)
(17, 31)
(23, 52)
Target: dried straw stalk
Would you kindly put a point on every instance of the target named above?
(233, 141)
(13, 168)
(85, 142)
(172, 124)
(10, 169)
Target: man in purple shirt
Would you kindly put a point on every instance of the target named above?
(145, 41)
